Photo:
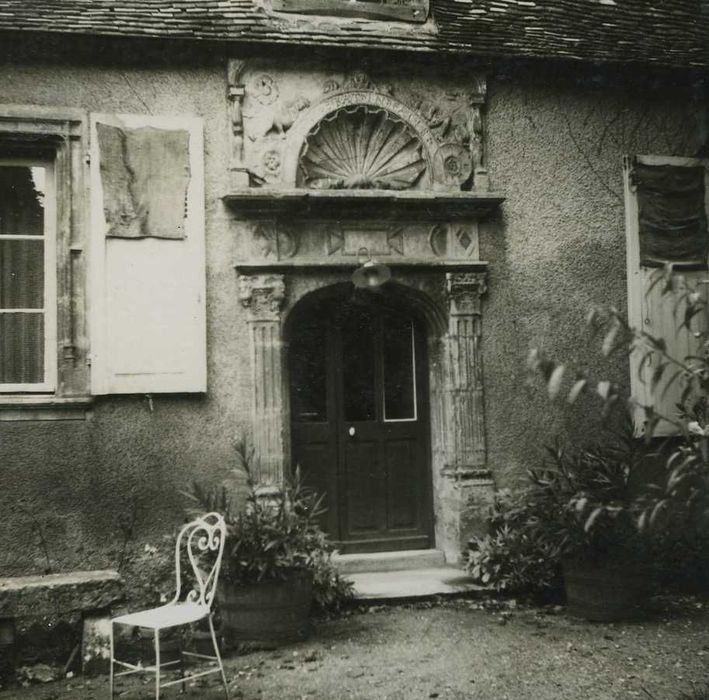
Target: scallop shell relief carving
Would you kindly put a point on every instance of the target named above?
(361, 147)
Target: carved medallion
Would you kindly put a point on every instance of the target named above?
(361, 147)
(452, 165)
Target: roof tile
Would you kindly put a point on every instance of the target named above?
(674, 32)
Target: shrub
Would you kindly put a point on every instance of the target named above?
(582, 504)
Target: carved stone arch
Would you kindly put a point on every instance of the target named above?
(410, 299)
(309, 119)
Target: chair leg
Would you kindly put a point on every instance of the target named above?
(157, 663)
(219, 657)
(110, 676)
(182, 663)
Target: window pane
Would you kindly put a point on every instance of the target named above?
(399, 386)
(21, 348)
(308, 372)
(21, 200)
(21, 274)
(358, 366)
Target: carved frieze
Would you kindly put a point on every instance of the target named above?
(273, 241)
(268, 242)
(283, 118)
(376, 239)
(454, 240)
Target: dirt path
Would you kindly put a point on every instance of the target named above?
(460, 649)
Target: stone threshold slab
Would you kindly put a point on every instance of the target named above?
(412, 584)
(389, 561)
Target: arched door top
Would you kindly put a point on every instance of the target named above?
(394, 294)
(340, 102)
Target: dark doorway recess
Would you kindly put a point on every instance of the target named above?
(360, 420)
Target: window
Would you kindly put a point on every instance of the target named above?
(43, 332)
(667, 209)
(27, 276)
(129, 190)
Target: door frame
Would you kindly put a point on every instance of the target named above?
(336, 298)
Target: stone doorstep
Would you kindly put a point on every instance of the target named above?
(389, 561)
(413, 584)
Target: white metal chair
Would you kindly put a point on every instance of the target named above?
(202, 537)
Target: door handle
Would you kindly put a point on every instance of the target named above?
(351, 431)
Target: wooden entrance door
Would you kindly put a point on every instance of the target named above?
(360, 421)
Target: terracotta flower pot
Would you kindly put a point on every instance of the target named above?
(604, 592)
(269, 613)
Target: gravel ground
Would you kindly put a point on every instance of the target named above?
(458, 649)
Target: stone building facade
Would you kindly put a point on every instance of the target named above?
(490, 183)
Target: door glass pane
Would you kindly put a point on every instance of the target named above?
(21, 348)
(308, 375)
(21, 273)
(399, 363)
(358, 366)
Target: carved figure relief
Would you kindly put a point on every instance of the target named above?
(277, 119)
(344, 130)
(361, 147)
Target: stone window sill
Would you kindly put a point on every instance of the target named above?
(25, 407)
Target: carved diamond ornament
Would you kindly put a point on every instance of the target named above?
(361, 147)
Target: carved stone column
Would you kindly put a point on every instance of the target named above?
(467, 487)
(262, 296)
(239, 175)
(464, 373)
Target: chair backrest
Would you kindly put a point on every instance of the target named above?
(203, 542)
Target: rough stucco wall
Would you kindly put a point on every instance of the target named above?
(558, 246)
(76, 480)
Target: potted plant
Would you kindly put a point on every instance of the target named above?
(580, 521)
(277, 561)
(598, 500)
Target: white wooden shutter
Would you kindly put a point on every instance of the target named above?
(654, 312)
(147, 295)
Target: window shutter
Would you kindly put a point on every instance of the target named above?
(666, 208)
(147, 291)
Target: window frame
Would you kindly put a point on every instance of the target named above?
(49, 293)
(58, 136)
(637, 274)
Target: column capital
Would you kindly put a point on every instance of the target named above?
(262, 295)
(464, 290)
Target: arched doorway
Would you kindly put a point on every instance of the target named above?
(359, 417)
